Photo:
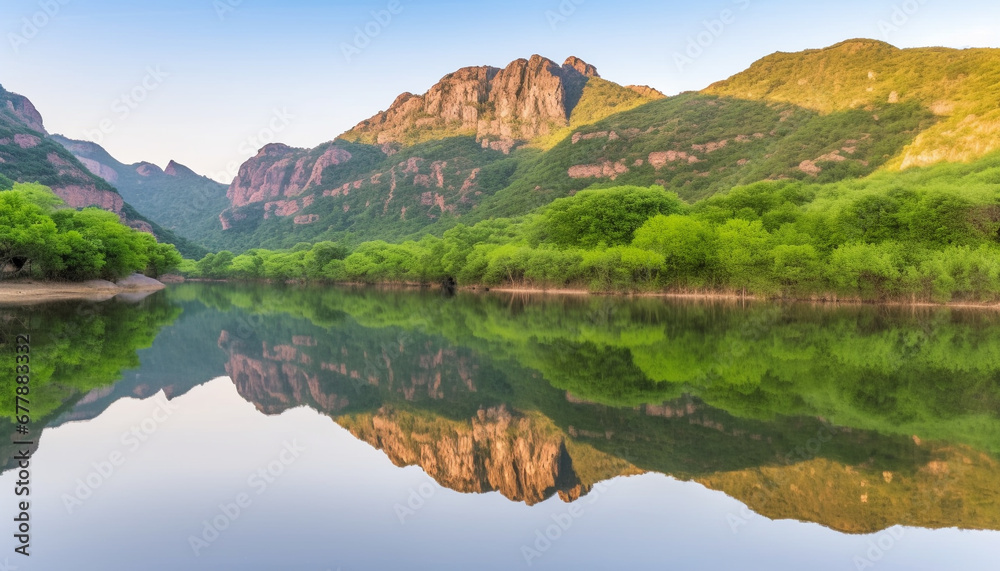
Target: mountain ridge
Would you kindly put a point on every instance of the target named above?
(28, 154)
(695, 144)
(176, 197)
(525, 99)
(961, 87)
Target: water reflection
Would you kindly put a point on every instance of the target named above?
(856, 418)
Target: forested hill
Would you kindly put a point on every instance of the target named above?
(960, 87)
(486, 142)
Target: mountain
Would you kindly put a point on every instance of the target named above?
(498, 142)
(697, 145)
(959, 87)
(528, 99)
(490, 142)
(27, 154)
(284, 195)
(428, 157)
(176, 197)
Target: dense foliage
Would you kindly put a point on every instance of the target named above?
(924, 234)
(39, 238)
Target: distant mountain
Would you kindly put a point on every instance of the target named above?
(27, 154)
(176, 197)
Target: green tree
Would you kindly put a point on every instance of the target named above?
(743, 253)
(870, 270)
(796, 266)
(688, 246)
(26, 233)
(605, 216)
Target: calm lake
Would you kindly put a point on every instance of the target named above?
(215, 426)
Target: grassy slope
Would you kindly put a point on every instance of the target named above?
(762, 141)
(600, 100)
(960, 86)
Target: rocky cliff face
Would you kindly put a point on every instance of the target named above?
(23, 110)
(527, 99)
(452, 142)
(339, 181)
(497, 450)
(280, 171)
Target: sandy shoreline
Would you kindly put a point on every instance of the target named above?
(33, 291)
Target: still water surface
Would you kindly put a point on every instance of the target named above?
(245, 427)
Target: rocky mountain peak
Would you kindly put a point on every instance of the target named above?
(22, 110)
(582, 67)
(147, 169)
(274, 150)
(526, 99)
(174, 168)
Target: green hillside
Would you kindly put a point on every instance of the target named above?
(961, 87)
(695, 145)
(177, 199)
(822, 116)
(698, 145)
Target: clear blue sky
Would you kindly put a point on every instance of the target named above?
(224, 76)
